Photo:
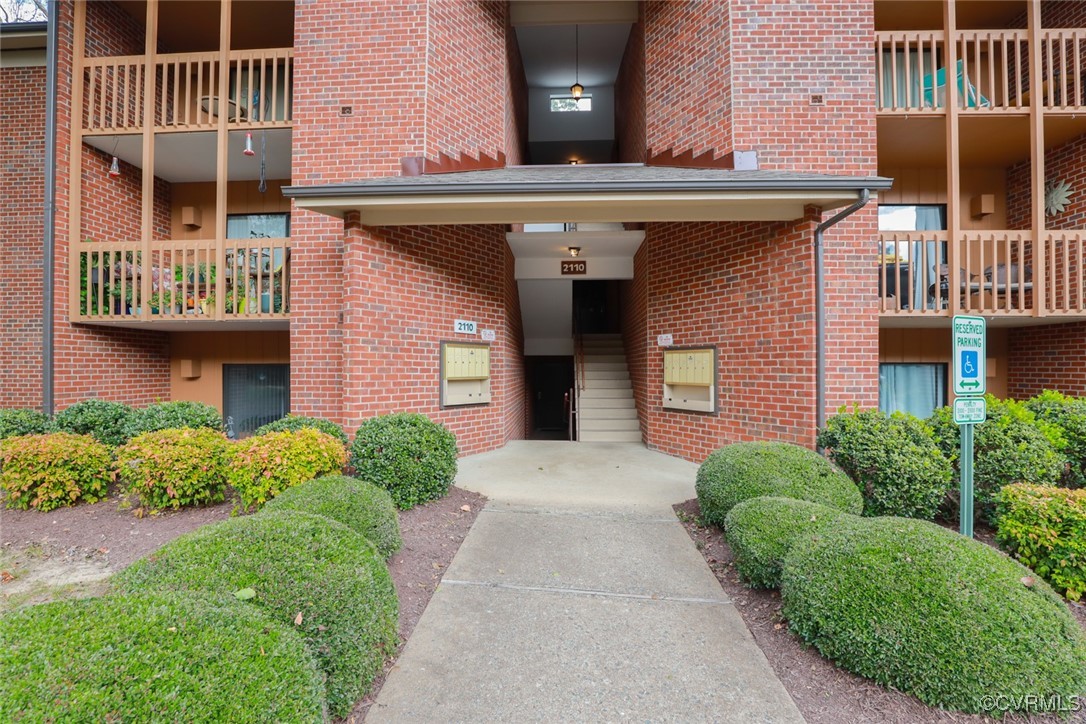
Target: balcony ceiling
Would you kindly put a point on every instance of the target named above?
(549, 58)
(187, 26)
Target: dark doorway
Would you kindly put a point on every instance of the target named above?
(596, 307)
(549, 379)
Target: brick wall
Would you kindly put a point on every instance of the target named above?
(22, 148)
(1063, 163)
(1049, 357)
(466, 78)
(515, 399)
(688, 83)
(403, 289)
(630, 98)
(784, 51)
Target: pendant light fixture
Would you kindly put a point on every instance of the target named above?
(576, 89)
(115, 165)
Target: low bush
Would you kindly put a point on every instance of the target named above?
(761, 531)
(173, 468)
(49, 471)
(748, 470)
(171, 415)
(305, 571)
(106, 421)
(892, 459)
(926, 611)
(1010, 447)
(263, 466)
(154, 658)
(23, 422)
(361, 506)
(1045, 528)
(1068, 414)
(294, 422)
(407, 454)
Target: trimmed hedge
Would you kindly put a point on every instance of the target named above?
(263, 466)
(106, 421)
(1045, 528)
(14, 423)
(305, 571)
(1010, 447)
(1068, 414)
(172, 468)
(361, 506)
(748, 470)
(170, 415)
(892, 459)
(761, 531)
(407, 454)
(154, 658)
(49, 471)
(296, 422)
(921, 609)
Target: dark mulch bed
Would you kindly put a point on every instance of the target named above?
(112, 535)
(824, 693)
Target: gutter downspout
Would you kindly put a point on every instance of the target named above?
(49, 230)
(820, 303)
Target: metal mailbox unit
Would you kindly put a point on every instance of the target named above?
(690, 379)
(465, 373)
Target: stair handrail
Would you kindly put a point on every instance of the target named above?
(571, 405)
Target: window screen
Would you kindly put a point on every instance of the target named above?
(918, 389)
(254, 395)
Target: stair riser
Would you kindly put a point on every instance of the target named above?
(598, 436)
(606, 384)
(613, 413)
(610, 425)
(597, 393)
(606, 375)
(607, 403)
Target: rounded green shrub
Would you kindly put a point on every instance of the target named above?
(305, 571)
(154, 658)
(893, 460)
(1045, 528)
(1009, 447)
(106, 421)
(407, 454)
(23, 422)
(361, 506)
(926, 611)
(761, 531)
(748, 470)
(171, 415)
(263, 466)
(49, 471)
(173, 468)
(297, 422)
(1068, 414)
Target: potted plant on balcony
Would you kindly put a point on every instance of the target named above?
(161, 301)
(207, 304)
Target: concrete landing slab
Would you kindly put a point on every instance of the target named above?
(496, 654)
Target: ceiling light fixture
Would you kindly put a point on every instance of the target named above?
(573, 162)
(575, 251)
(576, 89)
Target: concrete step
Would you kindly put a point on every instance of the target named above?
(611, 436)
(598, 392)
(610, 425)
(605, 359)
(593, 374)
(624, 402)
(609, 413)
(619, 365)
(592, 384)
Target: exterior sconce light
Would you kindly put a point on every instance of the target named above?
(575, 251)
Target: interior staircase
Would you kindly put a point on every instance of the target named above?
(606, 408)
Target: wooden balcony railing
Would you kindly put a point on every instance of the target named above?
(187, 92)
(996, 273)
(991, 72)
(181, 281)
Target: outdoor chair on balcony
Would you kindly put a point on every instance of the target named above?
(943, 298)
(1005, 279)
(934, 90)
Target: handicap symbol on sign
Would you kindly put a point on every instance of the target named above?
(970, 366)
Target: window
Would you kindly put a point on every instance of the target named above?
(253, 396)
(912, 217)
(257, 226)
(918, 389)
(567, 103)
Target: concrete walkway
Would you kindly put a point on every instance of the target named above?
(578, 596)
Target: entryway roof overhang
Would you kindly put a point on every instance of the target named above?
(589, 193)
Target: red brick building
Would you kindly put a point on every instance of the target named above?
(345, 209)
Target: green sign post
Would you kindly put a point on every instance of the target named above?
(970, 378)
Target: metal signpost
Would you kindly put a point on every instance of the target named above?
(970, 408)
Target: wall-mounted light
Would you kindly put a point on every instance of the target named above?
(573, 162)
(576, 89)
(574, 251)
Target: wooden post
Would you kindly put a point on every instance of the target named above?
(953, 173)
(147, 226)
(1037, 160)
(222, 162)
(75, 159)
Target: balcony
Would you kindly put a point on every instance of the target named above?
(188, 94)
(183, 285)
(992, 72)
(1004, 275)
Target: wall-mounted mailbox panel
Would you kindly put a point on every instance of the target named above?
(690, 379)
(465, 373)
